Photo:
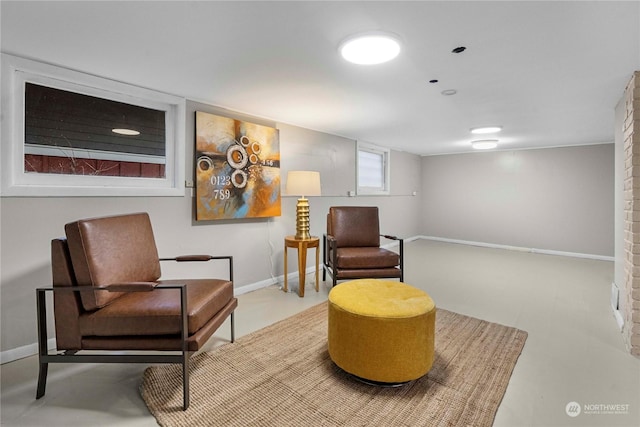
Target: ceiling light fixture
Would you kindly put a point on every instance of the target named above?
(486, 129)
(484, 144)
(122, 131)
(449, 92)
(370, 48)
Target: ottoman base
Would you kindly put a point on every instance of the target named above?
(379, 383)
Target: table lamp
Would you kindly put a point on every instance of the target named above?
(303, 183)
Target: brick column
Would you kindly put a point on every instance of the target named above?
(630, 295)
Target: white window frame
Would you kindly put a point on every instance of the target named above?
(385, 154)
(15, 182)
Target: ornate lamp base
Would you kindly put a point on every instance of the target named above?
(302, 219)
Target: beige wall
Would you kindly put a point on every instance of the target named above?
(558, 199)
(28, 224)
(522, 198)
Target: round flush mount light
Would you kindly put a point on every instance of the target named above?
(449, 92)
(370, 48)
(122, 131)
(484, 144)
(486, 129)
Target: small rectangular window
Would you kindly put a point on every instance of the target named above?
(67, 133)
(373, 169)
(76, 134)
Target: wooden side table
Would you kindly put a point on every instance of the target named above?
(301, 245)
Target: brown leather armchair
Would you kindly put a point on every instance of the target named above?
(352, 246)
(107, 296)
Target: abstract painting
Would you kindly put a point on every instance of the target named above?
(237, 169)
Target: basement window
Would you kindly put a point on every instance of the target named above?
(373, 169)
(74, 134)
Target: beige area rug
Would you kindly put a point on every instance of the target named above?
(282, 376)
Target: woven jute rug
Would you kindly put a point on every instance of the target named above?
(282, 376)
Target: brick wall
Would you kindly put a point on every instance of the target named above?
(630, 294)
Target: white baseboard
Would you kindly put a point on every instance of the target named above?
(255, 286)
(394, 243)
(293, 276)
(519, 248)
(24, 351)
(31, 349)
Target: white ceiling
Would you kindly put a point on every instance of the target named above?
(550, 73)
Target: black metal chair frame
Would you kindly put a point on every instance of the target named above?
(331, 245)
(70, 356)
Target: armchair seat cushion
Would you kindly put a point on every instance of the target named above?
(157, 312)
(366, 257)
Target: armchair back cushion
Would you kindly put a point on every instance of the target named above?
(101, 257)
(354, 226)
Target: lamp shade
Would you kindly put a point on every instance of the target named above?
(303, 183)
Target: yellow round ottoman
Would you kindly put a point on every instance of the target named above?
(381, 331)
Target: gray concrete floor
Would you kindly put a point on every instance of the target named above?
(574, 352)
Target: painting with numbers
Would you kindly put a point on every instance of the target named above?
(237, 169)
